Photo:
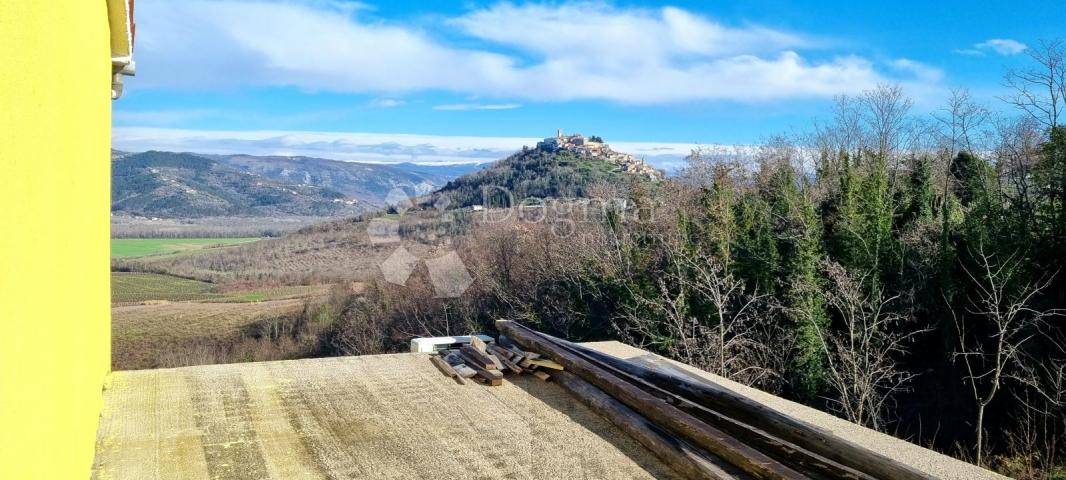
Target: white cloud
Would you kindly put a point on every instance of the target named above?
(921, 71)
(364, 147)
(477, 106)
(556, 52)
(386, 103)
(1002, 46)
(607, 37)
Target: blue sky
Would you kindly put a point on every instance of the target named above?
(465, 81)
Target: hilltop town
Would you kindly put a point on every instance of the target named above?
(594, 148)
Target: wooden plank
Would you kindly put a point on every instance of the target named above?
(827, 451)
(485, 359)
(477, 357)
(447, 369)
(453, 357)
(542, 375)
(491, 377)
(464, 371)
(511, 366)
(544, 363)
(680, 455)
(495, 361)
(500, 352)
(523, 353)
(661, 413)
(478, 344)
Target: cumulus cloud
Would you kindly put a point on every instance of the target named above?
(607, 37)
(363, 147)
(1001, 46)
(533, 52)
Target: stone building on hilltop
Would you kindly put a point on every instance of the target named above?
(585, 147)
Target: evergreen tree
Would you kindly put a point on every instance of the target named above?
(920, 194)
(755, 253)
(719, 224)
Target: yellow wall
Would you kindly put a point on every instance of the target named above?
(55, 120)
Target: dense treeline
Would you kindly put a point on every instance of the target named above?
(902, 270)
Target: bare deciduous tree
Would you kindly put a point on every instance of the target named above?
(1040, 91)
(863, 356)
(995, 329)
(736, 340)
(959, 121)
(886, 110)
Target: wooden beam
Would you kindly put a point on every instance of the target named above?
(464, 371)
(818, 440)
(501, 355)
(477, 357)
(714, 440)
(478, 344)
(490, 376)
(778, 448)
(686, 459)
(447, 369)
(540, 362)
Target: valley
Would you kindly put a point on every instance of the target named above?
(179, 301)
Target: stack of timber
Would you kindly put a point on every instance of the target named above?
(699, 428)
(487, 362)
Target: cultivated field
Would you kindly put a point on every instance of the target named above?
(126, 226)
(139, 247)
(147, 336)
(259, 300)
(331, 252)
(133, 288)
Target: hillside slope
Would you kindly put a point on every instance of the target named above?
(367, 182)
(537, 173)
(181, 185)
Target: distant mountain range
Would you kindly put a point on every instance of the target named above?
(369, 183)
(187, 185)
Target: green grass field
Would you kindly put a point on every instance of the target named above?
(132, 288)
(140, 247)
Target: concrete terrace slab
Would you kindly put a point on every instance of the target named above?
(393, 416)
(375, 417)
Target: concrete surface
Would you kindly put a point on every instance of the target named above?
(375, 417)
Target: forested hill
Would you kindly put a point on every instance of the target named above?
(536, 173)
(182, 185)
